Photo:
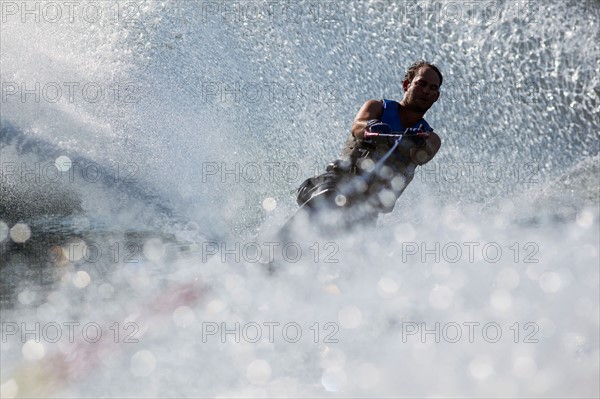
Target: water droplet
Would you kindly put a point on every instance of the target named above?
(258, 372)
(481, 367)
(154, 249)
(501, 300)
(332, 289)
(524, 367)
(550, 282)
(215, 306)
(387, 286)
(340, 200)
(142, 363)
(585, 219)
(387, 198)
(183, 316)
(333, 379)
(63, 163)
(350, 317)
(441, 297)
(106, 290)
(508, 278)
(269, 204)
(32, 350)
(20, 233)
(81, 279)
(26, 297)
(75, 249)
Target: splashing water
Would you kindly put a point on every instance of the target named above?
(146, 144)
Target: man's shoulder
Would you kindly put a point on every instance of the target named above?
(373, 106)
(374, 102)
(387, 102)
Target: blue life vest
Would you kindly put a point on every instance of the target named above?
(391, 116)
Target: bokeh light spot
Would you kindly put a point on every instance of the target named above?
(142, 363)
(20, 233)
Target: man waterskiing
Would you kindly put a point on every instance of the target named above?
(388, 141)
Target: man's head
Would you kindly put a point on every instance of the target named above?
(421, 86)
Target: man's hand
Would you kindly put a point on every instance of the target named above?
(424, 150)
(416, 137)
(376, 127)
(411, 131)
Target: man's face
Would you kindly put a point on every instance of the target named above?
(423, 91)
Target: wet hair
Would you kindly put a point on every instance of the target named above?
(412, 70)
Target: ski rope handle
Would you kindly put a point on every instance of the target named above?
(384, 158)
(369, 177)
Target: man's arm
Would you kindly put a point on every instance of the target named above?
(372, 109)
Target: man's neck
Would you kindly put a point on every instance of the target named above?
(409, 117)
